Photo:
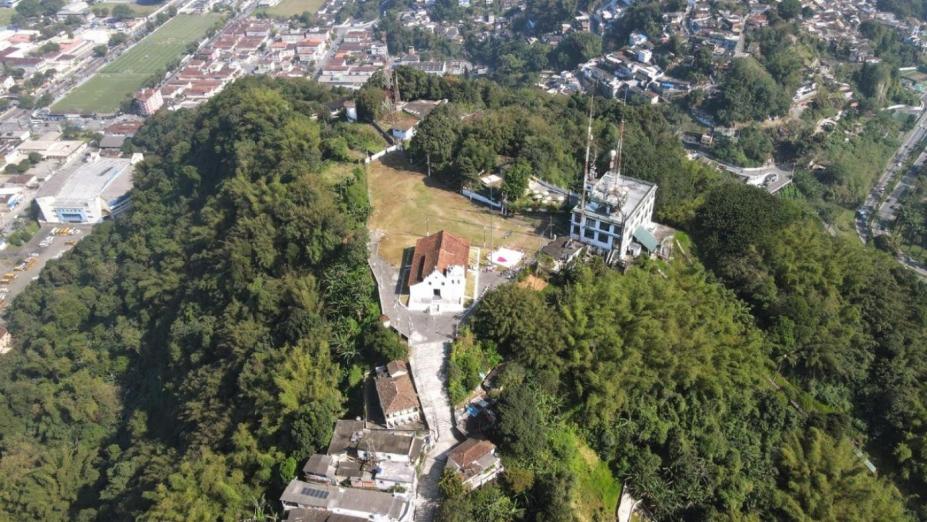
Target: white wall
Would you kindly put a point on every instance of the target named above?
(450, 287)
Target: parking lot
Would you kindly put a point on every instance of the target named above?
(21, 265)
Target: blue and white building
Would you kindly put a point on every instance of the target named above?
(92, 192)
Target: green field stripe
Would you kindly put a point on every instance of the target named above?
(126, 74)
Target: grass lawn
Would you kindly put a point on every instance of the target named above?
(596, 491)
(407, 205)
(288, 8)
(120, 78)
(140, 9)
(5, 15)
(334, 173)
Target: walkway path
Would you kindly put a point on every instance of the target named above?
(430, 338)
(429, 361)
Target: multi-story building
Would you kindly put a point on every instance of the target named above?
(614, 217)
(148, 101)
(92, 192)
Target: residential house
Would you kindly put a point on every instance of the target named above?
(148, 101)
(396, 392)
(562, 251)
(353, 438)
(350, 110)
(320, 468)
(351, 502)
(475, 461)
(390, 445)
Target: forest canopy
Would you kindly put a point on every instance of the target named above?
(183, 358)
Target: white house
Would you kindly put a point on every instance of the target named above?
(438, 274)
(6, 340)
(350, 110)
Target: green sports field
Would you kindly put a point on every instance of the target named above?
(288, 8)
(112, 84)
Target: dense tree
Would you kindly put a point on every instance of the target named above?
(371, 103)
(789, 9)
(515, 180)
(823, 479)
(180, 361)
(845, 322)
(637, 360)
(546, 15)
(123, 12)
(577, 47)
(475, 157)
(436, 138)
(748, 93)
(874, 80)
(521, 325)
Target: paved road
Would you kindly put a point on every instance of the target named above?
(756, 176)
(889, 207)
(885, 209)
(873, 201)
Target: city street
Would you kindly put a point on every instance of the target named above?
(865, 222)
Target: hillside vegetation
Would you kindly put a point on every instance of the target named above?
(184, 358)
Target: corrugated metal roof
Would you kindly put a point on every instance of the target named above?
(645, 238)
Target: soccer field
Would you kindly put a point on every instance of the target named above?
(288, 8)
(120, 78)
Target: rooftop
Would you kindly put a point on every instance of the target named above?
(320, 465)
(345, 435)
(617, 196)
(315, 515)
(388, 441)
(396, 393)
(334, 499)
(437, 252)
(395, 471)
(106, 177)
(470, 451)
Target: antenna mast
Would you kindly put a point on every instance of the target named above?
(588, 146)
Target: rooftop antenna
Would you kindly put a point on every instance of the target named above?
(616, 189)
(588, 147)
(396, 97)
(617, 166)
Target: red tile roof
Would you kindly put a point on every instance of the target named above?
(470, 451)
(396, 392)
(437, 252)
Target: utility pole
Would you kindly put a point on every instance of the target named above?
(491, 227)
